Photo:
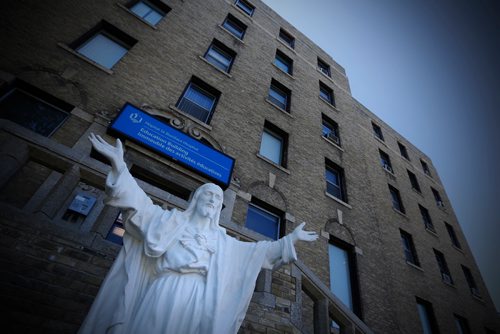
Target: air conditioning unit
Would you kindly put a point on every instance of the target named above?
(333, 138)
(440, 203)
(446, 278)
(387, 168)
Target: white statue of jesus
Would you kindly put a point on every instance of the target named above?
(178, 272)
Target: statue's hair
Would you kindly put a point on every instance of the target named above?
(214, 223)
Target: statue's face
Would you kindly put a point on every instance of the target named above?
(209, 201)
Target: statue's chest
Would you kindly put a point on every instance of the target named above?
(190, 253)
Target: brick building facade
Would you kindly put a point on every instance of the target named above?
(239, 78)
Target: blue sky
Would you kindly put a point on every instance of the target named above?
(431, 70)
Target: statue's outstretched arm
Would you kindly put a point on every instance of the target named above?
(282, 250)
(113, 153)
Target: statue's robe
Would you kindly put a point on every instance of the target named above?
(150, 232)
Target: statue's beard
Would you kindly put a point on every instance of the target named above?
(207, 212)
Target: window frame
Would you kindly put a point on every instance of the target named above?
(324, 68)
(385, 161)
(286, 38)
(377, 131)
(232, 21)
(110, 32)
(158, 6)
(283, 59)
(270, 210)
(430, 316)
(426, 218)
(330, 97)
(443, 267)
(403, 151)
(471, 282)
(206, 90)
(40, 96)
(425, 168)
(273, 131)
(414, 181)
(397, 202)
(437, 198)
(332, 167)
(333, 126)
(409, 249)
(278, 88)
(453, 236)
(245, 6)
(224, 52)
(462, 324)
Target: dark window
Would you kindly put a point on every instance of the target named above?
(385, 161)
(273, 144)
(453, 235)
(437, 197)
(426, 218)
(403, 151)
(245, 6)
(265, 219)
(343, 273)
(377, 131)
(335, 183)
(283, 62)
(470, 281)
(413, 180)
(462, 324)
(443, 267)
(396, 199)
(234, 26)
(151, 11)
(489, 331)
(409, 248)
(427, 318)
(33, 109)
(324, 67)
(199, 100)
(116, 231)
(169, 186)
(326, 93)
(104, 44)
(330, 130)
(425, 167)
(220, 56)
(280, 95)
(287, 38)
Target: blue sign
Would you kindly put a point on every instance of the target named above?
(146, 130)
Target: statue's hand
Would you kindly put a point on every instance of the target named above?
(113, 153)
(300, 234)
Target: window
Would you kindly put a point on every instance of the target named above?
(264, 219)
(403, 151)
(470, 281)
(427, 318)
(273, 144)
(169, 185)
(335, 184)
(220, 56)
(426, 218)
(283, 62)
(343, 275)
(234, 26)
(245, 6)
(396, 199)
(104, 44)
(199, 100)
(443, 267)
(425, 167)
(414, 181)
(324, 68)
(385, 161)
(33, 109)
(437, 197)
(287, 38)
(330, 129)
(151, 11)
(116, 231)
(377, 131)
(462, 324)
(326, 93)
(409, 248)
(453, 235)
(280, 95)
